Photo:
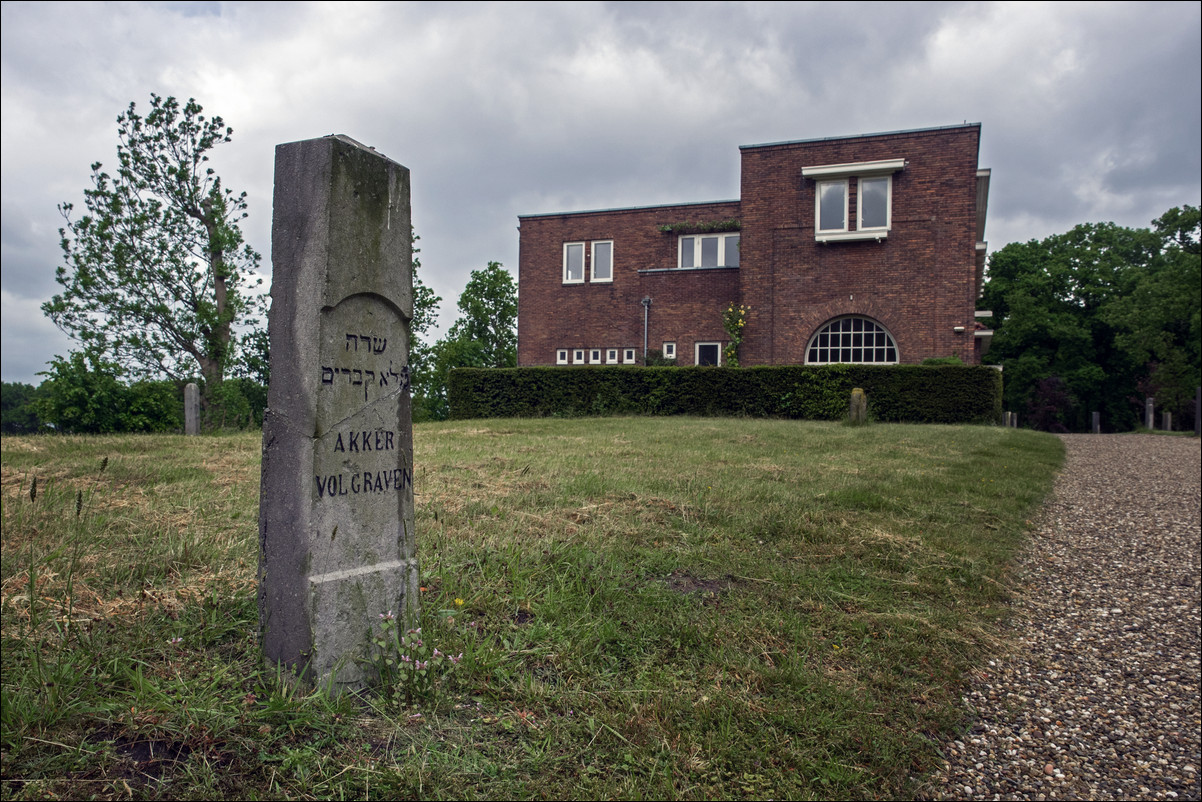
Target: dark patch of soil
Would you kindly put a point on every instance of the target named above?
(686, 584)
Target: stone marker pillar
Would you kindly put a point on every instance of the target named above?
(336, 541)
(1166, 421)
(191, 409)
(1149, 415)
(1097, 423)
(857, 412)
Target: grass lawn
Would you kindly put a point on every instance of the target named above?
(646, 607)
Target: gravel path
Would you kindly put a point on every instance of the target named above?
(1099, 695)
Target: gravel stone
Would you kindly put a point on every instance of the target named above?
(1098, 697)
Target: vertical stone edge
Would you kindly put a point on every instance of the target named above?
(299, 253)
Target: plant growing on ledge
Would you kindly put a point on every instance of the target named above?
(701, 227)
(733, 320)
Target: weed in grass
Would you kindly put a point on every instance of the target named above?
(407, 667)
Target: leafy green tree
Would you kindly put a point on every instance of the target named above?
(1158, 318)
(484, 335)
(83, 394)
(18, 409)
(156, 275)
(421, 351)
(1096, 318)
(488, 316)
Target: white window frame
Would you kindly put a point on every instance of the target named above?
(888, 179)
(578, 356)
(853, 341)
(629, 356)
(593, 262)
(728, 245)
(567, 246)
(669, 350)
(561, 356)
(843, 184)
(594, 356)
(828, 174)
(611, 356)
(697, 352)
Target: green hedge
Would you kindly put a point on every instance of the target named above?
(911, 393)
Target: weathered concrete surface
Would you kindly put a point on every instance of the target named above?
(191, 409)
(336, 535)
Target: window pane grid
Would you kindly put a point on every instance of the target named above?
(852, 339)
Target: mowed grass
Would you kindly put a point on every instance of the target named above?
(647, 607)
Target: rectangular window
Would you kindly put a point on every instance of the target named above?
(709, 250)
(709, 353)
(832, 205)
(873, 199)
(603, 261)
(573, 263)
(873, 212)
(628, 356)
(578, 356)
(594, 356)
(669, 350)
(561, 356)
(611, 356)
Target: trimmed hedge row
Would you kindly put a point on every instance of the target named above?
(910, 393)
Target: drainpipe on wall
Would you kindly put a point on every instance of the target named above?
(646, 311)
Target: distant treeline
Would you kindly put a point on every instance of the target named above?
(82, 398)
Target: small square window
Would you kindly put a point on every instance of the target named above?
(561, 356)
(594, 356)
(578, 356)
(628, 356)
(611, 356)
(669, 350)
(603, 261)
(709, 353)
(573, 263)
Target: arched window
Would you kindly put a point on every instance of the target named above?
(852, 339)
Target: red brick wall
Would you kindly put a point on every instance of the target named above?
(919, 282)
(686, 305)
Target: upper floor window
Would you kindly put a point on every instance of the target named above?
(874, 199)
(709, 250)
(832, 206)
(603, 260)
(873, 196)
(573, 262)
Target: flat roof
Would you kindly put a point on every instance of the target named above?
(629, 208)
(861, 136)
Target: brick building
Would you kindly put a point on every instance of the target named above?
(856, 249)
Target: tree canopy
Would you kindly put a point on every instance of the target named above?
(156, 276)
(483, 336)
(488, 317)
(1098, 318)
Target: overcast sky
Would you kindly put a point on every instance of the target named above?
(1090, 112)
